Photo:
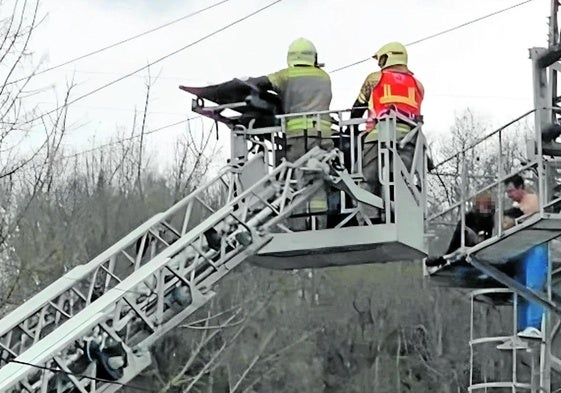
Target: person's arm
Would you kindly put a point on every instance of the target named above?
(364, 95)
(481, 223)
(471, 229)
(356, 111)
(278, 80)
(488, 226)
(456, 241)
(262, 83)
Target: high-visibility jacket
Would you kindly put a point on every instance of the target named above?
(304, 89)
(395, 90)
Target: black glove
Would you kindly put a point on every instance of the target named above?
(435, 261)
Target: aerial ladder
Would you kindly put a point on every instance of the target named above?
(91, 330)
(486, 269)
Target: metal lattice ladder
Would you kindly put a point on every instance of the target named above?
(151, 297)
(532, 353)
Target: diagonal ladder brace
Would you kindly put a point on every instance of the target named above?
(182, 265)
(509, 282)
(344, 182)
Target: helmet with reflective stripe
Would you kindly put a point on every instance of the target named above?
(394, 52)
(301, 52)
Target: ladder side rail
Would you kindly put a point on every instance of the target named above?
(79, 285)
(119, 296)
(175, 262)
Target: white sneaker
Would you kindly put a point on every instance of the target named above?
(531, 333)
(116, 362)
(513, 343)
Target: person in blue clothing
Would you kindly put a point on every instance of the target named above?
(531, 267)
(530, 270)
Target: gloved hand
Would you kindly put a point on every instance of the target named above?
(435, 261)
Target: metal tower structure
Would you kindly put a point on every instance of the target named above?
(486, 268)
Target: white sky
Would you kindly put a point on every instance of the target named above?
(483, 66)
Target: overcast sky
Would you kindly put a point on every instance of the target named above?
(483, 66)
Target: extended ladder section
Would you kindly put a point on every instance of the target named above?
(91, 330)
(155, 296)
(82, 285)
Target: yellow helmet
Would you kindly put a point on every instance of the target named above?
(301, 52)
(395, 53)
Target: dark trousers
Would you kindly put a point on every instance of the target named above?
(296, 148)
(370, 164)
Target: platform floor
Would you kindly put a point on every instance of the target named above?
(337, 247)
(534, 231)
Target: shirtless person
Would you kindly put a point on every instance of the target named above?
(532, 266)
(527, 201)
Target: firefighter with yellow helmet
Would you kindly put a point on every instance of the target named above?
(303, 87)
(392, 88)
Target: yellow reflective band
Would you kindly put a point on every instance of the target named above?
(296, 126)
(318, 205)
(306, 124)
(388, 98)
(307, 71)
(402, 130)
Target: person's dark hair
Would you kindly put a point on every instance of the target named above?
(513, 212)
(516, 180)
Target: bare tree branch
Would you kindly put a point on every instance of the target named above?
(142, 131)
(255, 359)
(175, 380)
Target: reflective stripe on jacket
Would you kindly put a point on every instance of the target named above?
(395, 90)
(304, 89)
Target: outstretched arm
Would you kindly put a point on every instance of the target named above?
(262, 83)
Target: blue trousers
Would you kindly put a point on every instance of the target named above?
(532, 272)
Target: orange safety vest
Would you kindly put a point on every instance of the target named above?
(395, 90)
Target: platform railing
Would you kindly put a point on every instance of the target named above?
(347, 134)
(455, 182)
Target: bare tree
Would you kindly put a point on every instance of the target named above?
(27, 158)
(193, 156)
